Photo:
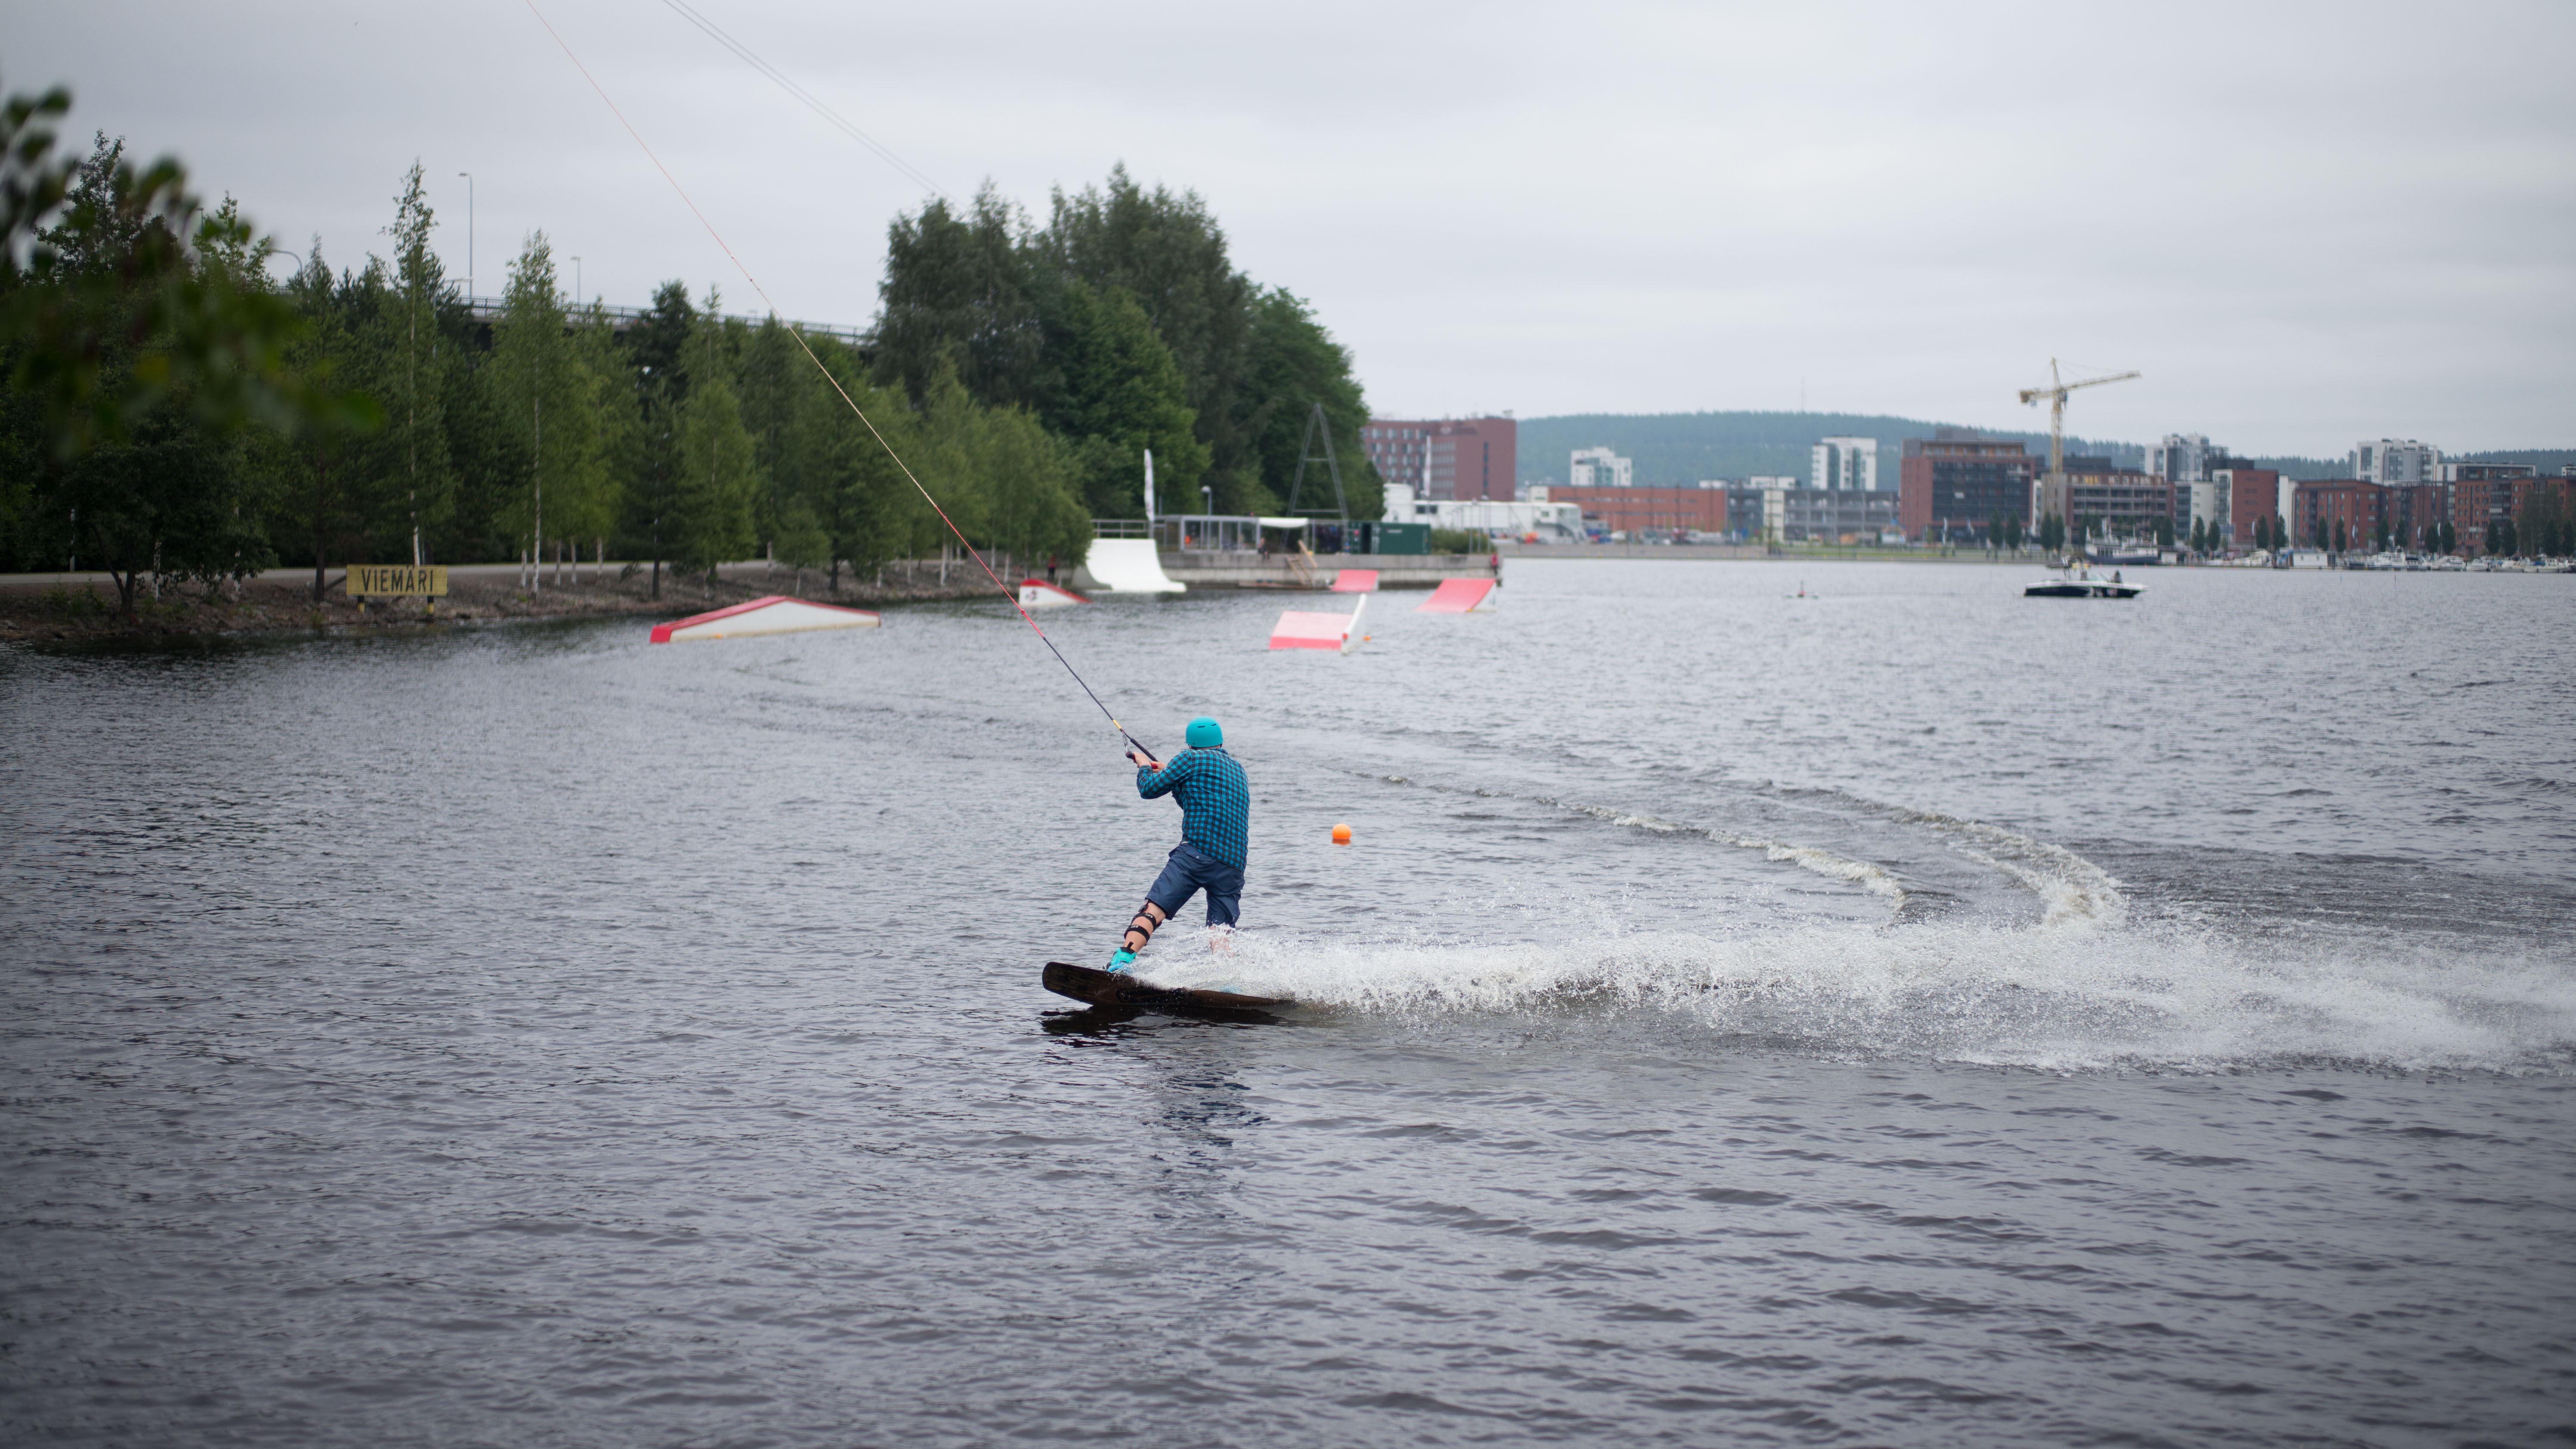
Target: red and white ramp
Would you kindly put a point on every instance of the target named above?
(1039, 594)
(1457, 596)
(1355, 581)
(777, 614)
(1296, 630)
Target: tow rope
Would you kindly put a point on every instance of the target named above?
(855, 410)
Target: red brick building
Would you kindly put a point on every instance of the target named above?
(2325, 502)
(2489, 493)
(2252, 493)
(2121, 502)
(2415, 507)
(1635, 510)
(1459, 458)
(1952, 483)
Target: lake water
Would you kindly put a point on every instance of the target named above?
(1906, 1014)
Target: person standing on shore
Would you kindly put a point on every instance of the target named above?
(1216, 814)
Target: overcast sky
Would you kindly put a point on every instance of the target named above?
(2305, 224)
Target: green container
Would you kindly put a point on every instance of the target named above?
(1393, 537)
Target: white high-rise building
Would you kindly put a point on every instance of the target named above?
(2213, 507)
(1844, 463)
(2183, 458)
(1601, 468)
(2396, 460)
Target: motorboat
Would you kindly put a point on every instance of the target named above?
(2082, 583)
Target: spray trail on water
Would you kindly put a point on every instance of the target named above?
(1966, 992)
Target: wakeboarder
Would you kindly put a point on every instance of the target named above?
(1216, 809)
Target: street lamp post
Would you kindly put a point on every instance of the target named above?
(469, 238)
(576, 284)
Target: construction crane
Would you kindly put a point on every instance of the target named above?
(2056, 392)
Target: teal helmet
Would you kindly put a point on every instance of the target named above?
(1204, 734)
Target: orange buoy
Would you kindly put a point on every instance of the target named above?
(1341, 835)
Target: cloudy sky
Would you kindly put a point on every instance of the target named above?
(2305, 224)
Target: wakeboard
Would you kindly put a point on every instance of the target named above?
(1106, 988)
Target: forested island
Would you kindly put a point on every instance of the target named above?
(183, 412)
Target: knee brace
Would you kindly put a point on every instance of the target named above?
(1148, 917)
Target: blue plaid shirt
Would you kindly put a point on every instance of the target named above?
(1215, 800)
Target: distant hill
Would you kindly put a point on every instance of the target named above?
(1674, 449)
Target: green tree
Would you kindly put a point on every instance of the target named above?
(871, 509)
(1167, 253)
(1010, 307)
(654, 346)
(321, 495)
(964, 290)
(943, 458)
(417, 417)
(546, 386)
(119, 294)
(1124, 394)
(601, 400)
(1295, 365)
(2538, 525)
(1033, 511)
(711, 512)
(166, 501)
(142, 344)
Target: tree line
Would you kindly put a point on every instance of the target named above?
(179, 411)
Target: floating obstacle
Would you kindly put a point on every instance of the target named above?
(1039, 594)
(777, 614)
(1355, 581)
(1457, 596)
(1128, 566)
(1296, 630)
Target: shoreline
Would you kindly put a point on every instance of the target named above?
(77, 607)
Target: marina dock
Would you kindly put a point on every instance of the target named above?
(1300, 571)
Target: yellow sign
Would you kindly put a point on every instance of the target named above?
(399, 581)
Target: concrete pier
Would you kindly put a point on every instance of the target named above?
(1296, 571)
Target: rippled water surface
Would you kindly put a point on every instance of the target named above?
(1907, 1014)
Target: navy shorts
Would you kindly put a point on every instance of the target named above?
(1191, 870)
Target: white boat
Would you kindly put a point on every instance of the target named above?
(2082, 584)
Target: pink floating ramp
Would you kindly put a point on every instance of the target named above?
(1457, 596)
(1355, 581)
(777, 614)
(1297, 630)
(1039, 594)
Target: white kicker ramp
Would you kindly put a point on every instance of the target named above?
(1126, 566)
